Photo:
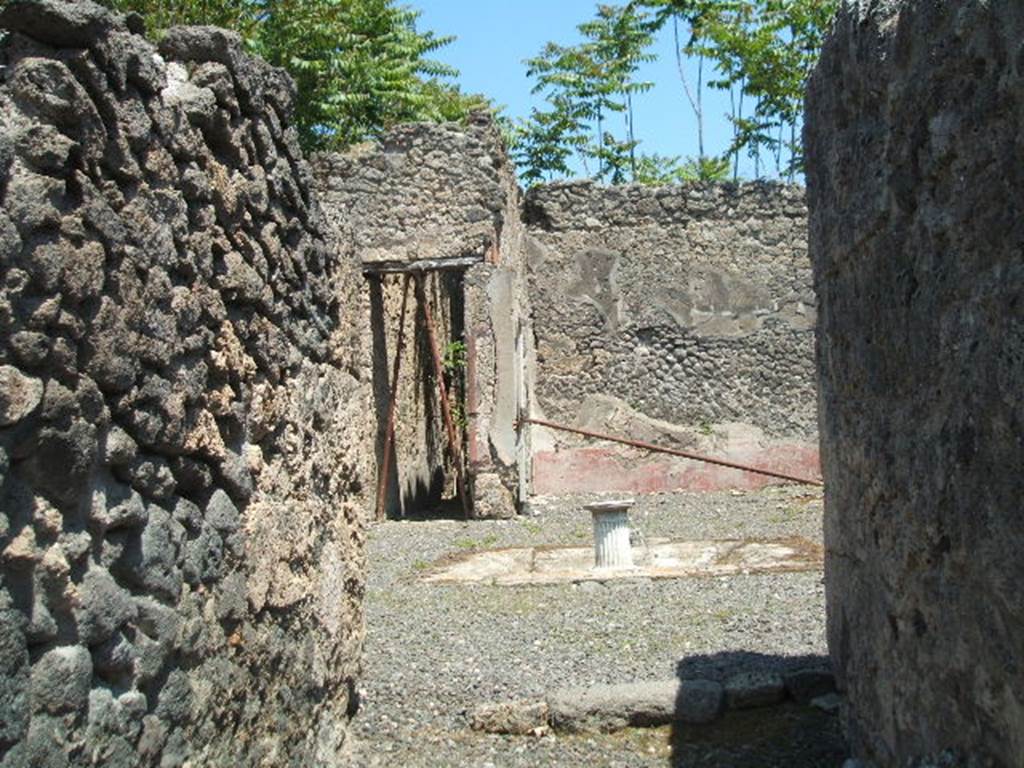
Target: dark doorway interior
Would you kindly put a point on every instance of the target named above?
(418, 471)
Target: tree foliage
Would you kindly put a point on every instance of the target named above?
(587, 87)
(239, 15)
(656, 169)
(767, 49)
(361, 66)
(690, 14)
(760, 51)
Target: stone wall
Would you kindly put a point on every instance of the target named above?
(914, 133)
(444, 194)
(421, 192)
(183, 394)
(678, 315)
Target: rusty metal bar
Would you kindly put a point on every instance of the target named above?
(672, 451)
(446, 409)
(472, 402)
(389, 434)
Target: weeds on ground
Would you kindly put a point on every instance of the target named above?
(487, 541)
(531, 528)
(785, 515)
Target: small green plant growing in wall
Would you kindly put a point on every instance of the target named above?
(454, 358)
(458, 413)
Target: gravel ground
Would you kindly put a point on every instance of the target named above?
(433, 652)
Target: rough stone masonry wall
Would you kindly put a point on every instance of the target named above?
(181, 408)
(678, 315)
(446, 193)
(915, 130)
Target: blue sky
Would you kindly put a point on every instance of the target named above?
(495, 36)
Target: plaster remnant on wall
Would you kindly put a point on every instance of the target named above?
(596, 284)
(691, 306)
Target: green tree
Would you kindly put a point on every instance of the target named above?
(621, 40)
(585, 86)
(361, 66)
(761, 51)
(542, 146)
(765, 50)
(692, 15)
(239, 15)
(656, 169)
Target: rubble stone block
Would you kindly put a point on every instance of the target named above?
(61, 680)
(517, 718)
(754, 689)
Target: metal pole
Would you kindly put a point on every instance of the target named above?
(446, 410)
(389, 434)
(672, 451)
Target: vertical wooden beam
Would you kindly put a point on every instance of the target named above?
(446, 409)
(389, 434)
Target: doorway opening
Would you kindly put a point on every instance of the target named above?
(418, 325)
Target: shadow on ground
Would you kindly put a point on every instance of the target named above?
(432, 511)
(787, 735)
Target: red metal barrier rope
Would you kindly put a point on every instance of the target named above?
(672, 451)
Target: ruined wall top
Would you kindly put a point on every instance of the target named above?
(579, 205)
(423, 191)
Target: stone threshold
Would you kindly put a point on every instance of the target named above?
(609, 708)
